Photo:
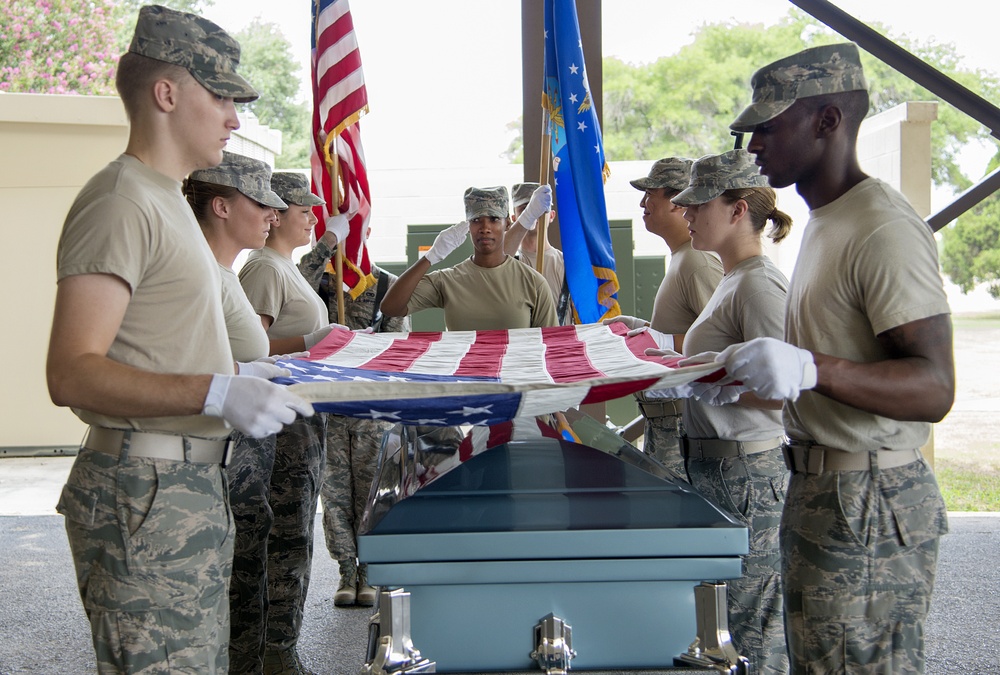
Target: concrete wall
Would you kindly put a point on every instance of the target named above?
(51, 146)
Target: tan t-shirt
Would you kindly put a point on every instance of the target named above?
(275, 287)
(748, 303)
(133, 222)
(510, 295)
(868, 263)
(689, 282)
(247, 337)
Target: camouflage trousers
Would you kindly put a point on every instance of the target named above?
(250, 468)
(295, 487)
(662, 441)
(352, 446)
(751, 488)
(152, 543)
(859, 552)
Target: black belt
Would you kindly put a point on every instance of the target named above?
(153, 445)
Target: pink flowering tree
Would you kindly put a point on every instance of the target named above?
(59, 46)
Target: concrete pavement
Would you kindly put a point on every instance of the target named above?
(43, 628)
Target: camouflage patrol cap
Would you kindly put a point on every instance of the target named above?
(294, 188)
(491, 201)
(829, 69)
(521, 193)
(251, 177)
(670, 172)
(195, 44)
(714, 174)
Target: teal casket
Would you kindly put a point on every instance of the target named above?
(492, 532)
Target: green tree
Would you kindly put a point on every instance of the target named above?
(970, 247)
(683, 104)
(266, 61)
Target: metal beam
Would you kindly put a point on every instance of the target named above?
(919, 71)
(965, 201)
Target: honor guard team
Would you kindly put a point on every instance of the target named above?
(189, 509)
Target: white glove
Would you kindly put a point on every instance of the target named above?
(274, 358)
(312, 339)
(539, 204)
(256, 407)
(770, 368)
(715, 393)
(262, 368)
(631, 322)
(701, 357)
(447, 241)
(337, 229)
(664, 341)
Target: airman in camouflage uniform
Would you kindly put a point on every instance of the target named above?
(352, 444)
(867, 325)
(146, 506)
(293, 493)
(269, 481)
(732, 452)
(691, 277)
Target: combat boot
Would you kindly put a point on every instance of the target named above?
(284, 663)
(347, 593)
(366, 594)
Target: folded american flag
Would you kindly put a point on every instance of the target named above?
(480, 377)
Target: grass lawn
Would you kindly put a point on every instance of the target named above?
(967, 441)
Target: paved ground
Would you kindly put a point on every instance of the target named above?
(43, 629)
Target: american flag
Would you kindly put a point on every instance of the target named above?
(480, 377)
(339, 101)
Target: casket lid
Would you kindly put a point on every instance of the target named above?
(442, 497)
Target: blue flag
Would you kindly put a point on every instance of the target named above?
(578, 168)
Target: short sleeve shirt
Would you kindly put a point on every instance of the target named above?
(748, 303)
(247, 337)
(689, 282)
(868, 263)
(276, 288)
(133, 222)
(510, 295)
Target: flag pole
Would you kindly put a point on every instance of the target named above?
(333, 165)
(543, 179)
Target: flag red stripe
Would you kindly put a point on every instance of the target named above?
(606, 392)
(401, 356)
(485, 355)
(566, 357)
(331, 344)
(345, 107)
(350, 63)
